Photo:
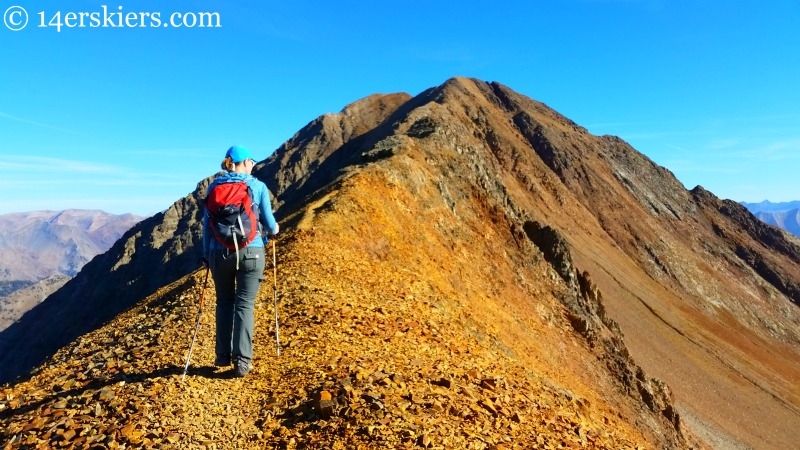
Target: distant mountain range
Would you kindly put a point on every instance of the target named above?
(784, 215)
(42, 250)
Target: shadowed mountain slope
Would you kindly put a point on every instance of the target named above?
(459, 270)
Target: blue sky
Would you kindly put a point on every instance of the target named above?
(129, 119)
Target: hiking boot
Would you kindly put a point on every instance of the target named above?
(222, 361)
(241, 367)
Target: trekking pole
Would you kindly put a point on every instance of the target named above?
(275, 296)
(196, 325)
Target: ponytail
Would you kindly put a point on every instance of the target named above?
(227, 164)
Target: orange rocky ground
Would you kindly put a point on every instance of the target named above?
(390, 338)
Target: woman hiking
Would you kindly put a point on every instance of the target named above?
(236, 223)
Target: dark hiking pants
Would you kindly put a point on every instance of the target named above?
(236, 295)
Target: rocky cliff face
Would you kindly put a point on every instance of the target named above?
(465, 268)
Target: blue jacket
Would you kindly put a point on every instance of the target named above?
(260, 197)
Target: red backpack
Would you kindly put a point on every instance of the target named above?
(233, 214)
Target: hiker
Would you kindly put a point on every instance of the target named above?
(237, 267)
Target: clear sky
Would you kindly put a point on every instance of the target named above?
(129, 118)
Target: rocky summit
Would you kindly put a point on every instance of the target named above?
(465, 268)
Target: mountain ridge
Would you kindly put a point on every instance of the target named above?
(768, 206)
(484, 233)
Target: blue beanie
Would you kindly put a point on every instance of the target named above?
(238, 154)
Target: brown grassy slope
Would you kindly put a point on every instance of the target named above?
(694, 312)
